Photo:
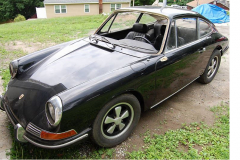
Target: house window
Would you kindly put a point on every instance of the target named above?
(118, 6)
(86, 8)
(60, 9)
(115, 6)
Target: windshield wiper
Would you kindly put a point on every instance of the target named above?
(95, 39)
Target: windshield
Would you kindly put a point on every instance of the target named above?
(143, 32)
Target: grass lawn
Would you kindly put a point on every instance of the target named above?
(50, 30)
(194, 141)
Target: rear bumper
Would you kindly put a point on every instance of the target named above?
(1, 105)
(225, 50)
(22, 135)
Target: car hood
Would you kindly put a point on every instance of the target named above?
(73, 65)
(78, 63)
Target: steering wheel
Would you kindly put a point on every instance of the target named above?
(142, 38)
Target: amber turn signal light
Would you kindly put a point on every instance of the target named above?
(57, 136)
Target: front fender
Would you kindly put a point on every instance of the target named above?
(82, 103)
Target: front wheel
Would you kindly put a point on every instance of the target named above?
(116, 121)
(212, 68)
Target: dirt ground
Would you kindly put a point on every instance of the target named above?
(192, 104)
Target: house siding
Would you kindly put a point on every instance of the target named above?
(78, 9)
(72, 10)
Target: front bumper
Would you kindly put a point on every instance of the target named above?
(55, 146)
(22, 135)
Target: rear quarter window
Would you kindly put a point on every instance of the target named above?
(204, 28)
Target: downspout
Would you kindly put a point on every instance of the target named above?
(100, 7)
(164, 5)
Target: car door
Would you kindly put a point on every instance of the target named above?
(180, 64)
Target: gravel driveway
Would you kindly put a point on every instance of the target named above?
(190, 105)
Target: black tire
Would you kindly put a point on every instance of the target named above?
(103, 125)
(206, 78)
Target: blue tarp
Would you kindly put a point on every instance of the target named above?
(212, 12)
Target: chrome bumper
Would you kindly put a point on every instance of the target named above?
(19, 133)
(225, 50)
(18, 129)
(55, 146)
(1, 105)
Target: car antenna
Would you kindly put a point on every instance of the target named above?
(164, 5)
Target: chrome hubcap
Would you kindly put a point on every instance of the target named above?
(117, 120)
(212, 67)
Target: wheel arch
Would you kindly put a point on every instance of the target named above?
(137, 95)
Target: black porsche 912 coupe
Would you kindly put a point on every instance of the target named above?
(98, 86)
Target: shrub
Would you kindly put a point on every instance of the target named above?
(19, 18)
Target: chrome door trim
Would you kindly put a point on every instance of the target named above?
(173, 94)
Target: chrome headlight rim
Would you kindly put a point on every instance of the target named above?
(56, 103)
(13, 68)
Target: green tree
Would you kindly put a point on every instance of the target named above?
(143, 2)
(9, 9)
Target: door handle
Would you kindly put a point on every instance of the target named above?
(202, 50)
(163, 59)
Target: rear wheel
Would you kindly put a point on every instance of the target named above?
(116, 121)
(212, 68)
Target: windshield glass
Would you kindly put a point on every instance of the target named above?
(134, 30)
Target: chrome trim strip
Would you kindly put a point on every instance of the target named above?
(185, 45)
(34, 130)
(56, 146)
(173, 94)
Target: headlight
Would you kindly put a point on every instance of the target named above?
(54, 110)
(13, 68)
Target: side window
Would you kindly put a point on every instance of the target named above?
(204, 28)
(147, 19)
(186, 30)
(171, 44)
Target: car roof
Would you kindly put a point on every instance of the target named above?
(169, 12)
